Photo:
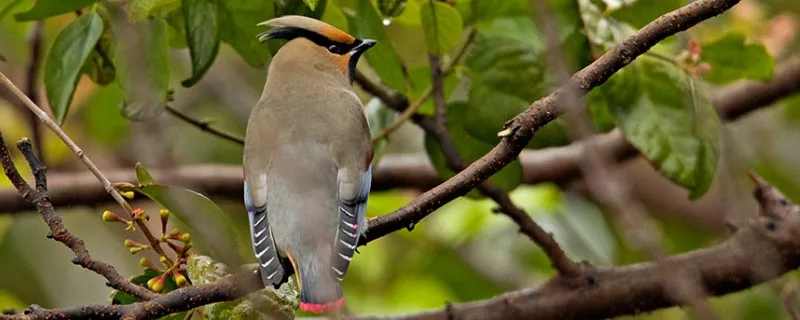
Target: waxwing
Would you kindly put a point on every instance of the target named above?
(307, 156)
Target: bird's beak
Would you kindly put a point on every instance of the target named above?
(361, 48)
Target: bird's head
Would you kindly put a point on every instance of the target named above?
(330, 43)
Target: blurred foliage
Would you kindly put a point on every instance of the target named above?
(109, 71)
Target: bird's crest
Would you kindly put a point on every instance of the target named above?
(293, 26)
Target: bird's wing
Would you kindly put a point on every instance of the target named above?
(263, 244)
(352, 213)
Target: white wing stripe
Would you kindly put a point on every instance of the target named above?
(259, 233)
(350, 225)
(337, 271)
(351, 246)
(345, 257)
(352, 235)
(259, 242)
(258, 255)
(259, 221)
(347, 212)
(265, 264)
(272, 275)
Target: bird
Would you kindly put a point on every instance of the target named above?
(307, 161)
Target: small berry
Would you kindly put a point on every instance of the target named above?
(180, 279)
(109, 216)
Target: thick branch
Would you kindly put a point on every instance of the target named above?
(57, 230)
(764, 249)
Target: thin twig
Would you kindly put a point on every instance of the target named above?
(403, 117)
(206, 126)
(410, 110)
(455, 162)
(43, 117)
(58, 232)
(31, 88)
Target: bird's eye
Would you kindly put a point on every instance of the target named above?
(334, 49)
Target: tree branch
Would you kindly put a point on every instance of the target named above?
(559, 164)
(605, 182)
(31, 88)
(58, 232)
(732, 265)
(565, 266)
(43, 117)
(762, 250)
(521, 129)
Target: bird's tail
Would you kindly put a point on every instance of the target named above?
(320, 291)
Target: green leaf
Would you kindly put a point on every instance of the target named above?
(640, 12)
(7, 9)
(9, 301)
(237, 21)
(311, 3)
(65, 59)
(382, 57)
(470, 149)
(602, 30)
(143, 9)
(732, 59)
(488, 10)
(506, 76)
(176, 30)
(668, 116)
(144, 78)
(144, 177)
(49, 8)
(210, 226)
(443, 26)
(100, 66)
(102, 122)
(334, 16)
(202, 35)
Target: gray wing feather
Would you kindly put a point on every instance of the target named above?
(263, 245)
(352, 215)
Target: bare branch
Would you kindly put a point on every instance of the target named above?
(762, 250)
(58, 232)
(43, 117)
